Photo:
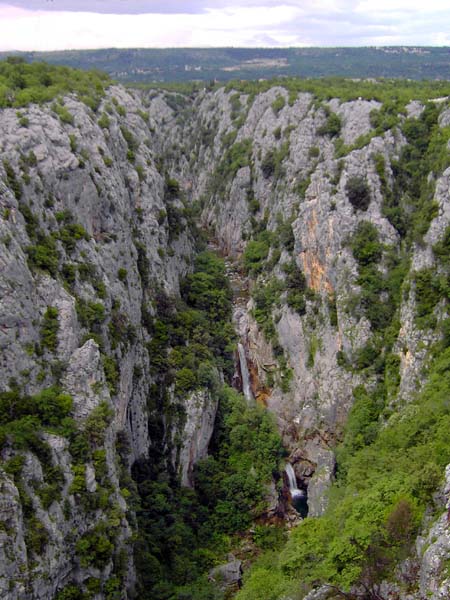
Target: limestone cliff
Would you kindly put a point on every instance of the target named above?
(93, 226)
(263, 165)
(85, 243)
(272, 162)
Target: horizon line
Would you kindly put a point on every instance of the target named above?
(375, 47)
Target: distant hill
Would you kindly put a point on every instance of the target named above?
(147, 65)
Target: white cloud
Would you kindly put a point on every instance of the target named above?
(26, 30)
(406, 6)
(242, 23)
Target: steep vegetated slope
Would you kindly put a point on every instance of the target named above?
(129, 467)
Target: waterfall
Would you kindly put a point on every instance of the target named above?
(246, 388)
(293, 489)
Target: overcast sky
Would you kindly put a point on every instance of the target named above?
(68, 24)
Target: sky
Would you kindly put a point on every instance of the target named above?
(72, 24)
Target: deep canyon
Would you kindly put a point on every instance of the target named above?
(329, 314)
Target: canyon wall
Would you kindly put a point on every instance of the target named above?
(96, 222)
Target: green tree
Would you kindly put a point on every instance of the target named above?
(358, 193)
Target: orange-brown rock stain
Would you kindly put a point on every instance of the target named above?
(261, 392)
(313, 268)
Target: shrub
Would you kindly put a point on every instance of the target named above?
(11, 180)
(175, 220)
(70, 234)
(332, 126)
(235, 104)
(31, 159)
(104, 121)
(64, 115)
(278, 104)
(229, 138)
(53, 406)
(48, 493)
(207, 289)
(94, 548)
(71, 592)
(144, 115)
(385, 118)
(140, 172)
(111, 373)
(256, 251)
(121, 331)
(358, 193)
(368, 251)
(44, 255)
(253, 452)
(238, 156)
(296, 287)
(265, 297)
(362, 424)
(442, 248)
(121, 111)
(427, 295)
(268, 164)
(22, 417)
(22, 83)
(73, 142)
(365, 244)
(97, 422)
(78, 485)
(79, 447)
(286, 235)
(235, 157)
(185, 380)
(271, 165)
(332, 310)
(90, 314)
(49, 329)
(172, 188)
(143, 264)
(293, 95)
(301, 187)
(131, 141)
(14, 465)
(36, 536)
(100, 465)
(87, 272)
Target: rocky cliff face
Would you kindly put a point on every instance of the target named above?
(271, 160)
(291, 170)
(91, 231)
(292, 173)
(84, 234)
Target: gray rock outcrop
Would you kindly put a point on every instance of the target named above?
(227, 576)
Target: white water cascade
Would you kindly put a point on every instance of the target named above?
(246, 388)
(293, 489)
